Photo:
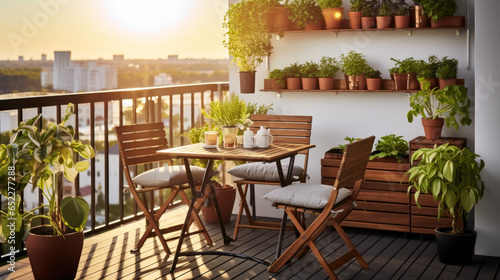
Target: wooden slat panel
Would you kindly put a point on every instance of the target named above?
(424, 211)
(150, 134)
(289, 132)
(288, 125)
(429, 222)
(400, 228)
(424, 200)
(290, 140)
(331, 162)
(145, 159)
(385, 186)
(140, 127)
(140, 152)
(388, 165)
(259, 117)
(383, 207)
(146, 143)
(379, 217)
(329, 172)
(386, 176)
(383, 196)
(422, 230)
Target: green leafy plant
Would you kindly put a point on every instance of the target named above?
(357, 5)
(303, 12)
(327, 4)
(342, 146)
(437, 9)
(246, 36)
(400, 7)
(373, 74)
(449, 103)
(231, 111)
(353, 63)
(38, 156)
(447, 68)
(369, 9)
(428, 69)
(452, 176)
(408, 65)
(384, 10)
(328, 67)
(279, 75)
(310, 69)
(391, 146)
(292, 71)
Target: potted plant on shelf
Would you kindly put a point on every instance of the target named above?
(39, 157)
(368, 20)
(384, 16)
(354, 65)
(306, 14)
(292, 73)
(453, 177)
(247, 39)
(277, 79)
(404, 74)
(373, 79)
(332, 13)
(328, 68)
(392, 147)
(402, 17)
(309, 72)
(421, 20)
(446, 71)
(355, 13)
(427, 70)
(441, 13)
(439, 106)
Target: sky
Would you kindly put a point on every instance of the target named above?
(91, 29)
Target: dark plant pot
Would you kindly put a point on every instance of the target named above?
(281, 20)
(309, 83)
(293, 83)
(355, 19)
(383, 22)
(402, 21)
(373, 83)
(368, 22)
(421, 20)
(225, 198)
(247, 81)
(455, 249)
(325, 83)
(333, 17)
(446, 82)
(433, 82)
(447, 21)
(315, 25)
(433, 128)
(400, 81)
(54, 257)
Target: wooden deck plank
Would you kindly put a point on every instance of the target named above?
(421, 263)
(392, 266)
(489, 269)
(411, 259)
(470, 272)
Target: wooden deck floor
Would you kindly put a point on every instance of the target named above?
(390, 255)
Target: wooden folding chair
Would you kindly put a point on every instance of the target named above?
(350, 175)
(138, 148)
(284, 129)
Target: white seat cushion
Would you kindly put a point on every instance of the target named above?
(266, 172)
(168, 176)
(314, 196)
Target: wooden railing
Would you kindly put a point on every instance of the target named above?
(97, 113)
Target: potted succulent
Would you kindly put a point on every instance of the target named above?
(402, 17)
(355, 13)
(439, 106)
(427, 70)
(453, 177)
(354, 65)
(391, 146)
(309, 72)
(404, 74)
(373, 79)
(247, 39)
(292, 73)
(277, 79)
(306, 14)
(446, 72)
(369, 12)
(39, 157)
(328, 68)
(332, 13)
(441, 13)
(384, 16)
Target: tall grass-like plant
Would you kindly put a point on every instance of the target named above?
(231, 111)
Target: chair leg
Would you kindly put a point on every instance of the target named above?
(196, 218)
(243, 206)
(351, 246)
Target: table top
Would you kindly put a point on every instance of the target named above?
(274, 152)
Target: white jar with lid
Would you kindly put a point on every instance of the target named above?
(263, 138)
(248, 139)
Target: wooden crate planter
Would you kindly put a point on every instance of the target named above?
(420, 142)
(382, 202)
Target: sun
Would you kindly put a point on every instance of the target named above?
(147, 15)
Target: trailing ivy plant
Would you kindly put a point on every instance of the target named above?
(303, 12)
(353, 63)
(452, 176)
(391, 146)
(310, 69)
(279, 75)
(437, 9)
(293, 70)
(449, 103)
(447, 68)
(328, 67)
(327, 4)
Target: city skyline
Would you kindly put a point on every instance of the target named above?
(146, 29)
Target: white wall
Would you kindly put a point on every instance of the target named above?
(356, 114)
(487, 79)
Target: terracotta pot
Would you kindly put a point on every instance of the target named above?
(54, 257)
(433, 128)
(225, 198)
(273, 84)
(293, 83)
(309, 83)
(447, 21)
(247, 81)
(269, 17)
(333, 17)
(355, 19)
(325, 83)
(373, 83)
(281, 20)
(433, 82)
(383, 22)
(413, 83)
(446, 82)
(315, 25)
(402, 21)
(368, 22)
(421, 20)
(355, 82)
(400, 81)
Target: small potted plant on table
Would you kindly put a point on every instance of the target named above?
(332, 13)
(328, 68)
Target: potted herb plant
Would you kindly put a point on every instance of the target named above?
(309, 72)
(441, 13)
(446, 71)
(368, 20)
(39, 157)
(427, 70)
(328, 68)
(373, 79)
(354, 65)
(404, 74)
(439, 106)
(332, 13)
(306, 14)
(402, 17)
(355, 13)
(453, 177)
(384, 16)
(247, 39)
(421, 20)
(391, 146)
(277, 79)
(292, 73)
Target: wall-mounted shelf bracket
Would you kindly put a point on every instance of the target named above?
(279, 94)
(457, 32)
(335, 34)
(408, 94)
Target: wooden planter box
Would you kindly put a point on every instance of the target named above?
(420, 142)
